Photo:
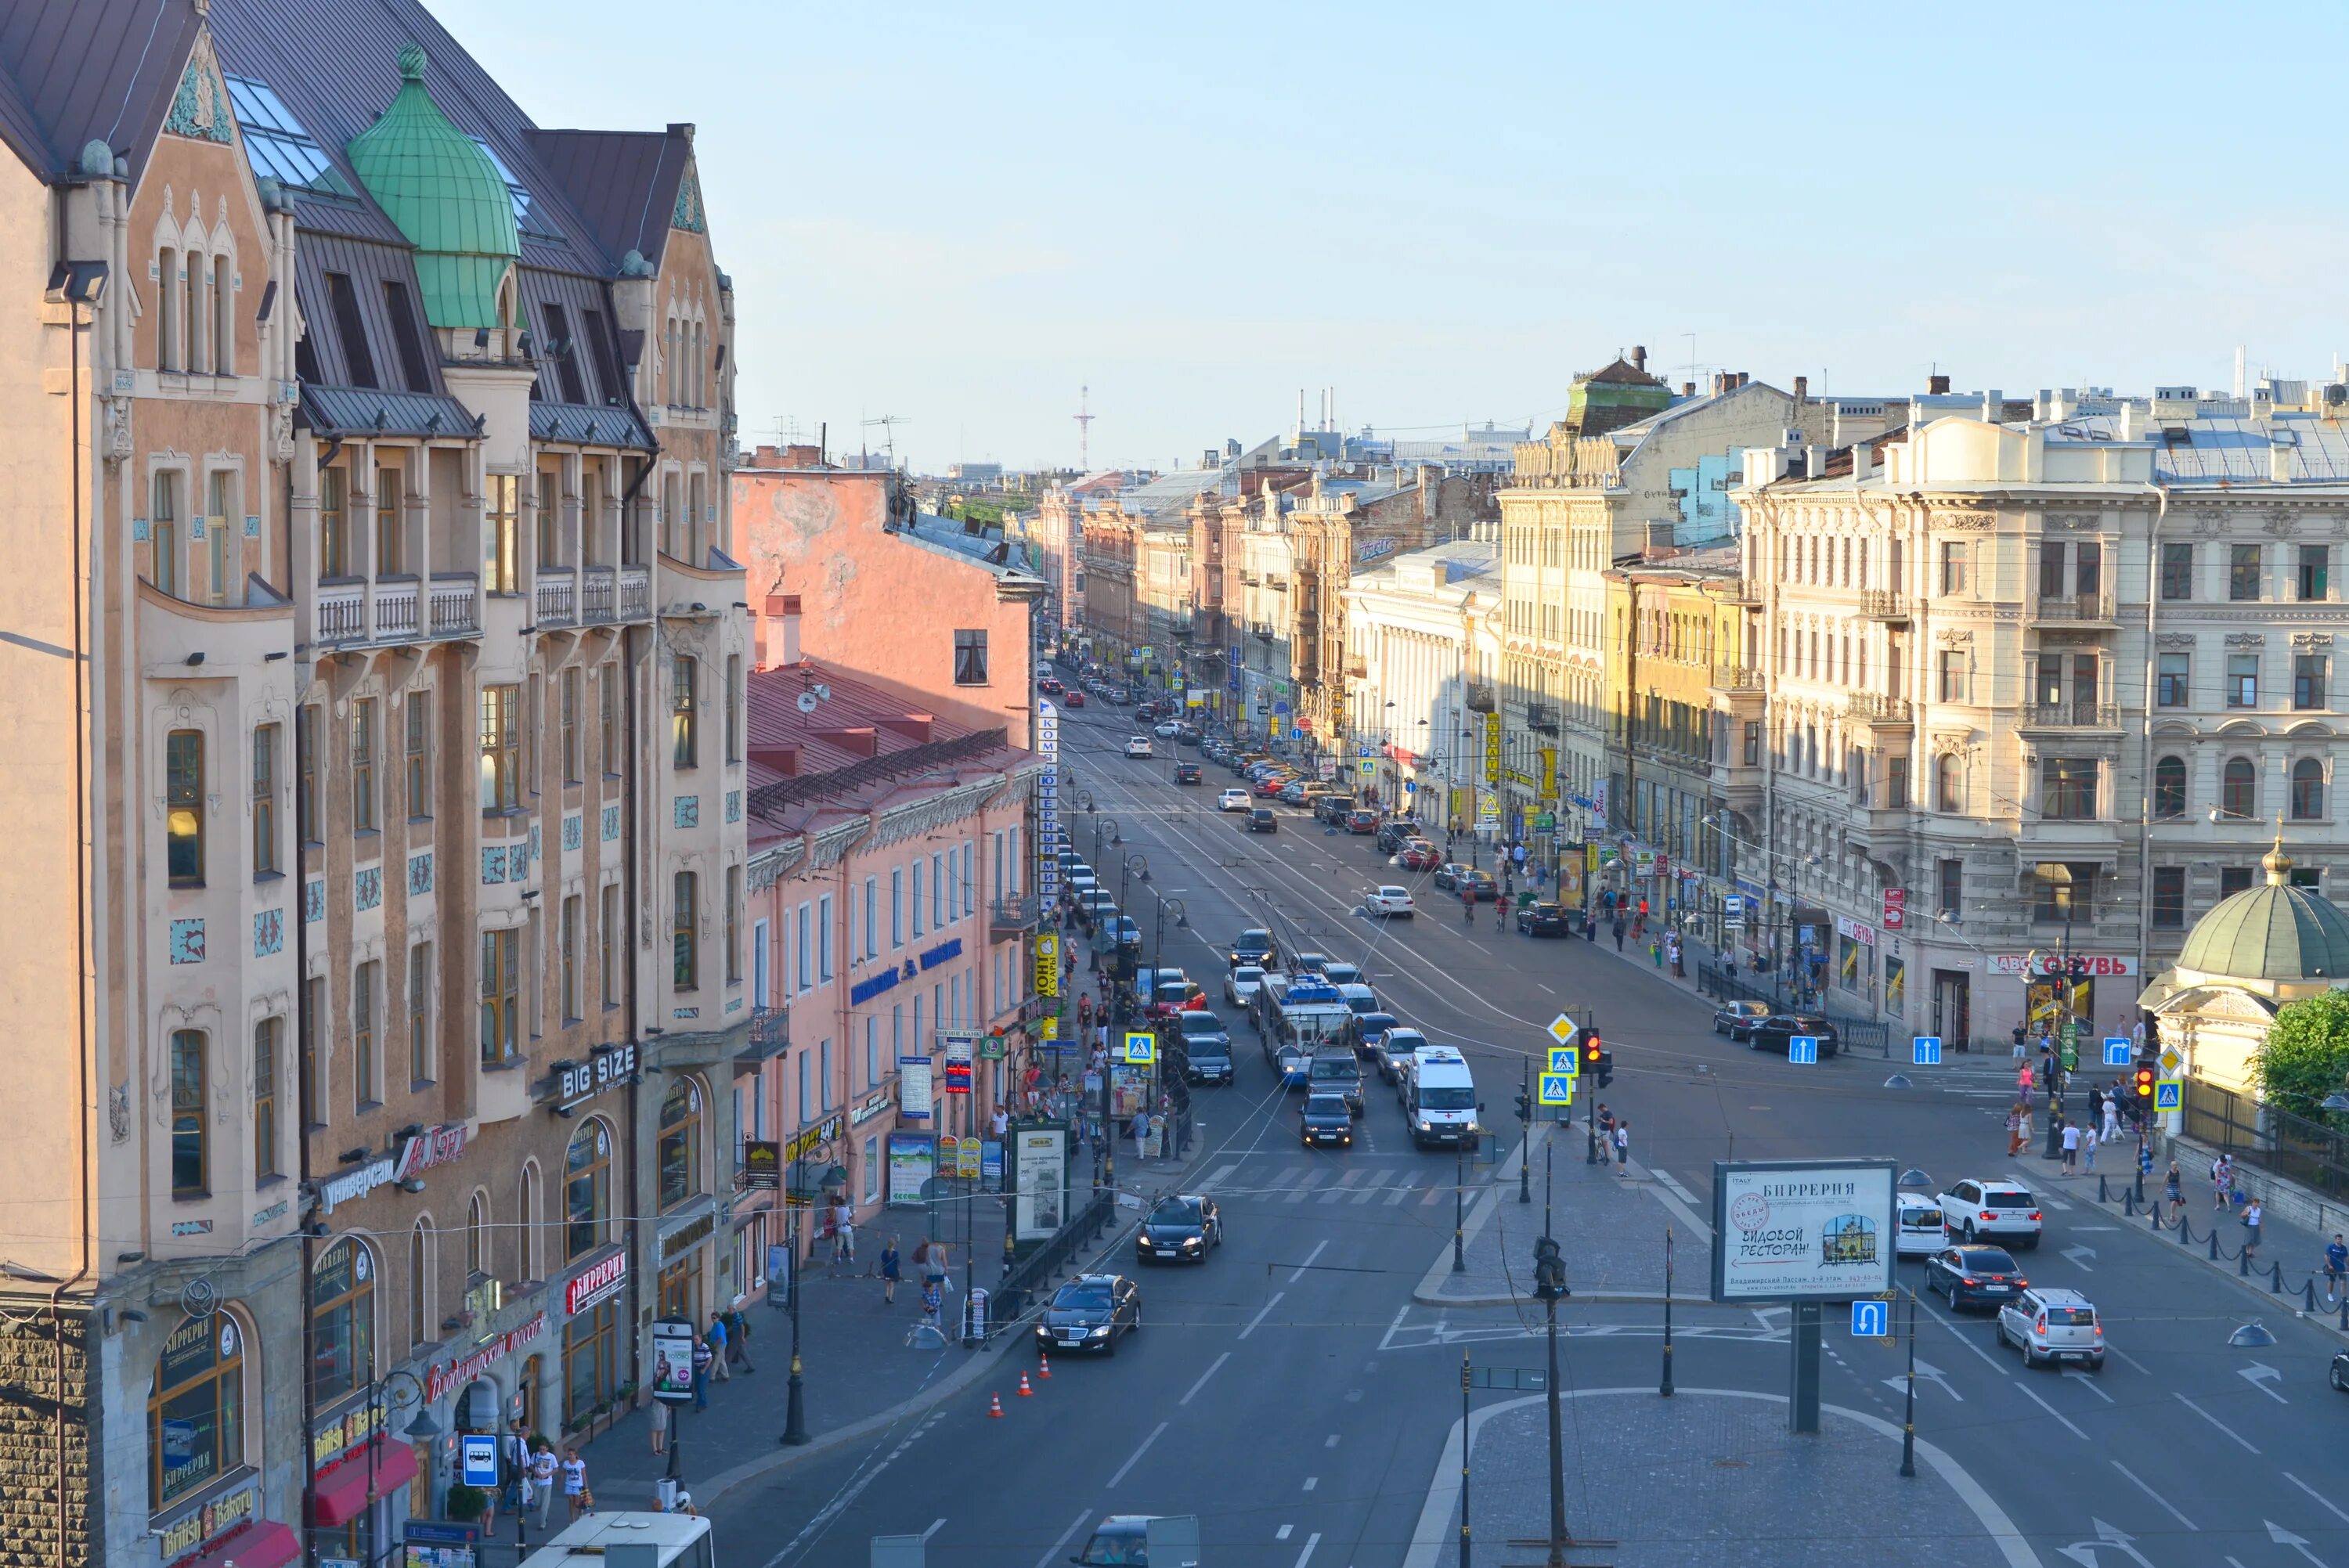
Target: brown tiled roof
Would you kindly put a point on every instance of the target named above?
(77, 71)
(864, 741)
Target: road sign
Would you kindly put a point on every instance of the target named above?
(480, 1460)
(1523, 1378)
(1369, 770)
(1803, 1050)
(1927, 1050)
(2170, 1061)
(1140, 1048)
(1872, 1319)
(1563, 1029)
(1564, 1059)
(1410, 786)
(1557, 1089)
(2168, 1094)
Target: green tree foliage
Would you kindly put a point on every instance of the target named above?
(2306, 1055)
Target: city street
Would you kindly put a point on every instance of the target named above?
(1300, 1390)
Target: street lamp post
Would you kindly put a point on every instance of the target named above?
(1459, 1206)
(1909, 1419)
(795, 1432)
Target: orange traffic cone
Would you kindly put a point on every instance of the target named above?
(1024, 1391)
(1043, 1365)
(995, 1405)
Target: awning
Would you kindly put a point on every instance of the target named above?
(259, 1544)
(343, 1493)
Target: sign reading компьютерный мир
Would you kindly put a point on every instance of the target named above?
(1802, 1230)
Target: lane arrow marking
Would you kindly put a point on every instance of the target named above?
(2282, 1537)
(2073, 1255)
(2258, 1375)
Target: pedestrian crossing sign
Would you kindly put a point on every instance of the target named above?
(1140, 1048)
(1557, 1089)
(1564, 1059)
(2117, 1050)
(2169, 1094)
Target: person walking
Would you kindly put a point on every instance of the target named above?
(1618, 933)
(660, 1425)
(2173, 1188)
(2014, 1131)
(1140, 1129)
(700, 1373)
(738, 1338)
(1623, 1146)
(2026, 1123)
(2071, 1141)
(844, 1232)
(934, 1258)
(2222, 1183)
(2112, 1119)
(576, 1495)
(543, 1475)
(715, 1336)
(890, 1270)
(2254, 1215)
(2336, 1264)
(2088, 1141)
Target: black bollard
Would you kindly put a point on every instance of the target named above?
(2102, 1196)
(2275, 1284)
(2214, 1243)
(2128, 1203)
(2311, 1308)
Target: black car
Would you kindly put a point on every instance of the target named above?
(1543, 920)
(1453, 877)
(1326, 1120)
(2341, 1370)
(1253, 947)
(1736, 1019)
(1370, 1027)
(1774, 1032)
(1206, 1047)
(1187, 773)
(1331, 808)
(1395, 832)
(1260, 820)
(1183, 1227)
(1089, 1313)
(1974, 1273)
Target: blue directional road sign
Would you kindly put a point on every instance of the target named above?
(2168, 1094)
(2117, 1050)
(1557, 1089)
(1872, 1319)
(479, 1461)
(1927, 1049)
(1803, 1050)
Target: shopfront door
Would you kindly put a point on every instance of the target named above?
(1953, 1007)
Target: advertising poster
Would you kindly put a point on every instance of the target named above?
(1129, 1089)
(672, 1360)
(1802, 1230)
(913, 1161)
(914, 1099)
(959, 1049)
(1040, 1174)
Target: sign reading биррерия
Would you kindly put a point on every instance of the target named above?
(1802, 1230)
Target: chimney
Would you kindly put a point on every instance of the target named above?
(1639, 356)
(1688, 389)
(778, 632)
(2281, 448)
(1993, 405)
(1802, 388)
(1720, 382)
(2132, 421)
(1863, 461)
(1937, 387)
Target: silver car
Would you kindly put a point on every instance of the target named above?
(2048, 1324)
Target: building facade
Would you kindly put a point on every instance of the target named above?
(1423, 635)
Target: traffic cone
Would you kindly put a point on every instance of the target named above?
(995, 1405)
(1024, 1391)
(1043, 1365)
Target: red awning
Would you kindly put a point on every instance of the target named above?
(254, 1545)
(345, 1491)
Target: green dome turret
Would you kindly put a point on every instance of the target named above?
(2276, 932)
(446, 196)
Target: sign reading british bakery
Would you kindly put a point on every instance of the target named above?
(217, 1517)
(596, 1283)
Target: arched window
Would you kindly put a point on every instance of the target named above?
(223, 315)
(477, 1236)
(680, 1143)
(527, 1261)
(2239, 788)
(2169, 786)
(587, 1188)
(195, 1410)
(1949, 793)
(195, 311)
(342, 1321)
(167, 316)
(420, 1282)
(2307, 789)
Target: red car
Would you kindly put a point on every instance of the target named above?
(1075, 698)
(1419, 855)
(1361, 821)
(1271, 785)
(1048, 686)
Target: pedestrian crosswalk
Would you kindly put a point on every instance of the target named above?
(1328, 1181)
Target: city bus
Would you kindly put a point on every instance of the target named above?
(619, 1539)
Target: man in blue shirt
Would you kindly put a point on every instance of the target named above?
(2336, 1264)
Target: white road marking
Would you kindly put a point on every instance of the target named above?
(1221, 1175)
(1400, 1193)
(1332, 1194)
(1666, 1177)
(2214, 1421)
(1331, 1442)
(2155, 1496)
(1210, 1372)
(1282, 1533)
(1135, 1458)
(2088, 1381)
(1990, 1360)
(1310, 1543)
(1371, 1189)
(1387, 1338)
(1311, 1482)
(935, 1525)
(1261, 1311)
(2318, 1496)
(1052, 1553)
(2133, 1361)
(1298, 1272)
(2030, 1395)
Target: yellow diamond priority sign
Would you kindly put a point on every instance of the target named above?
(1563, 1029)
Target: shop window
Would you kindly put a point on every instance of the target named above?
(342, 1321)
(195, 1410)
(587, 1188)
(680, 1143)
(591, 1352)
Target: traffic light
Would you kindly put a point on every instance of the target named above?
(1549, 1271)
(1525, 1107)
(1597, 1065)
(2145, 1083)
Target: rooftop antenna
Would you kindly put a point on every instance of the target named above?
(888, 433)
(1084, 417)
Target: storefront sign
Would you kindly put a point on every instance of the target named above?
(2091, 965)
(596, 1283)
(762, 1165)
(687, 1236)
(875, 1104)
(584, 1080)
(357, 1182)
(1492, 748)
(808, 1140)
(959, 1049)
(1550, 773)
(217, 1517)
(914, 1098)
(1863, 935)
(345, 1432)
(944, 952)
(1040, 1176)
(1047, 963)
(1896, 907)
(444, 1376)
(913, 1161)
(434, 1146)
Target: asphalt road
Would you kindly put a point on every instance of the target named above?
(1292, 1394)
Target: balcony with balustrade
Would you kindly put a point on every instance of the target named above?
(1879, 710)
(2093, 611)
(558, 596)
(348, 611)
(2072, 717)
(1888, 605)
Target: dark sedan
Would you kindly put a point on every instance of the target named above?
(1774, 1032)
(1260, 820)
(1543, 920)
(1735, 1019)
(1975, 1273)
(1183, 1227)
(1254, 945)
(1089, 1313)
(1187, 773)
(1457, 878)
(1325, 1118)
(1396, 830)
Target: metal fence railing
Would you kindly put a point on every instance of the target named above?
(2293, 1147)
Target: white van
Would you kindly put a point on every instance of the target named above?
(1439, 1096)
(1917, 1230)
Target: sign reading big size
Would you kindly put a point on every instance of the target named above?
(1801, 1229)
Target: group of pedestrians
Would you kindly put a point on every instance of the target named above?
(530, 1473)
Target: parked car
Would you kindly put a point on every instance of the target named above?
(1331, 808)
(1419, 855)
(1985, 1209)
(1395, 832)
(1138, 747)
(1183, 1227)
(1544, 919)
(1324, 1118)
(1388, 901)
(1457, 878)
(1293, 792)
(1232, 801)
(1774, 1031)
(2341, 1370)
(1260, 820)
(1089, 1313)
(1269, 787)
(2047, 1323)
(1968, 1274)
(1735, 1018)
(1187, 773)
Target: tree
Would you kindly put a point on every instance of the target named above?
(2306, 1054)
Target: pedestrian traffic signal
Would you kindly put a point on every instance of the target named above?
(2145, 1083)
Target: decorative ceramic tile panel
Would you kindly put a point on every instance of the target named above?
(733, 805)
(268, 933)
(187, 941)
(686, 810)
(493, 863)
(534, 856)
(419, 874)
(314, 901)
(611, 824)
(574, 830)
(366, 887)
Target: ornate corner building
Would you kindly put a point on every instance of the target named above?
(375, 675)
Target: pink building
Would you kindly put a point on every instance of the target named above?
(912, 597)
(891, 849)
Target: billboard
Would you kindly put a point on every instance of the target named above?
(1039, 1174)
(1801, 1229)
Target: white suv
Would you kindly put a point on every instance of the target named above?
(1983, 1210)
(2053, 1324)
(1234, 800)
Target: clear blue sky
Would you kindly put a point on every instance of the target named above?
(958, 214)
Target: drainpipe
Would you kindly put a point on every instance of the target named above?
(630, 843)
(2145, 755)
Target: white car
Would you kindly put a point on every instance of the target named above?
(1992, 1210)
(1241, 984)
(1388, 902)
(1167, 730)
(1917, 1231)
(1138, 747)
(2051, 1324)
(1233, 801)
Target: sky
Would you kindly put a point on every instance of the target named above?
(961, 215)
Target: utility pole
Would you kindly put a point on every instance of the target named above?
(1084, 417)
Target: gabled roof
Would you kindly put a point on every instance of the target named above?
(860, 741)
(77, 71)
(623, 183)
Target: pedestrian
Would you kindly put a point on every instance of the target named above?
(2071, 1142)
(575, 1494)
(844, 1232)
(2112, 1123)
(543, 1469)
(2018, 1042)
(700, 1373)
(2024, 1083)
(1673, 950)
(2253, 1215)
(1606, 1123)
(935, 1260)
(513, 1458)
(2026, 1122)
(1655, 952)
(2336, 1264)
(2014, 1131)
(2222, 1183)
(1623, 1146)
(719, 1371)
(2095, 1104)
(738, 1338)
(2088, 1141)
(934, 1304)
(999, 1125)
(2144, 1162)
(1139, 1130)
(660, 1424)
(2173, 1187)
(1618, 933)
